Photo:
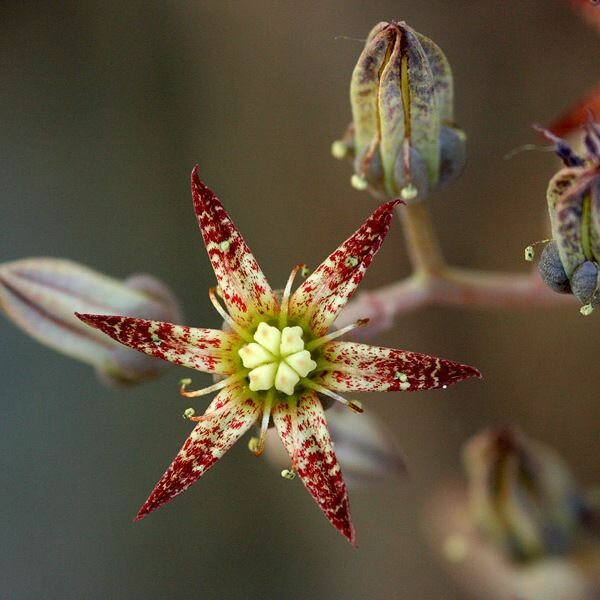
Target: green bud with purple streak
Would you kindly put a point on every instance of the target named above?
(402, 141)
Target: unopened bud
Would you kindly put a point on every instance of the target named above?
(403, 141)
(522, 496)
(41, 295)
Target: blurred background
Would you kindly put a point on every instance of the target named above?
(104, 109)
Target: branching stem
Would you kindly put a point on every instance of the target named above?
(433, 282)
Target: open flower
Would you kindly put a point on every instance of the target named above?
(277, 359)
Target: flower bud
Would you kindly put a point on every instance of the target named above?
(41, 295)
(522, 496)
(364, 447)
(402, 141)
(574, 207)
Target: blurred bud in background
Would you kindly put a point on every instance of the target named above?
(569, 263)
(521, 528)
(402, 141)
(41, 295)
(522, 497)
(366, 450)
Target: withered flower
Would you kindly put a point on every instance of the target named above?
(569, 263)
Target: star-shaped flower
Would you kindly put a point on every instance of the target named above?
(276, 359)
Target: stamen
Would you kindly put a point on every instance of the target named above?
(335, 334)
(354, 405)
(287, 292)
(188, 413)
(212, 294)
(529, 252)
(288, 474)
(253, 444)
(211, 388)
(294, 411)
(266, 416)
(209, 415)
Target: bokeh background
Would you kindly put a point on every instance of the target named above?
(104, 109)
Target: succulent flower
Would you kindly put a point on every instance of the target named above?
(276, 358)
(40, 295)
(522, 495)
(569, 263)
(403, 140)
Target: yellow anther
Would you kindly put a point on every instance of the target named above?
(339, 150)
(586, 310)
(287, 474)
(351, 261)
(529, 253)
(408, 192)
(253, 444)
(188, 413)
(358, 182)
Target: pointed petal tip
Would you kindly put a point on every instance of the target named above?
(350, 535)
(463, 372)
(195, 176)
(87, 318)
(144, 511)
(393, 203)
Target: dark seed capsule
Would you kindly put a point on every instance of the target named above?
(552, 271)
(584, 281)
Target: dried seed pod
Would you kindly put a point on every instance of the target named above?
(552, 271)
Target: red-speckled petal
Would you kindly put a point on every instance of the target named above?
(362, 368)
(318, 301)
(244, 288)
(207, 350)
(228, 417)
(303, 431)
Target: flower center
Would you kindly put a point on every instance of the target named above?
(277, 358)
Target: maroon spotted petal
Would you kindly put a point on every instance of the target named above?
(207, 350)
(244, 288)
(303, 431)
(363, 368)
(228, 417)
(319, 300)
